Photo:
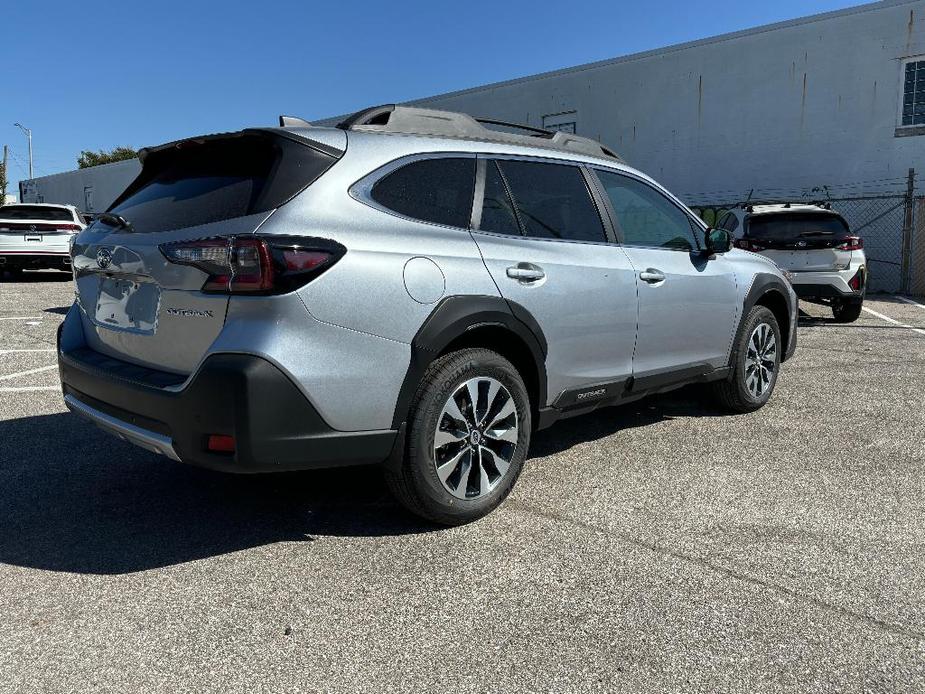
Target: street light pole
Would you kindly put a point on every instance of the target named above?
(28, 134)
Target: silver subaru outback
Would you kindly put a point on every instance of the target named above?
(412, 288)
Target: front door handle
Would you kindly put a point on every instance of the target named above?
(652, 276)
(526, 272)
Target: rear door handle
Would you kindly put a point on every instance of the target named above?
(652, 276)
(526, 272)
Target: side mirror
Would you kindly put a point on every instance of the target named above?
(717, 241)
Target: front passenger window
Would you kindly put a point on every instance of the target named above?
(645, 216)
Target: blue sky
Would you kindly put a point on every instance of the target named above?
(95, 75)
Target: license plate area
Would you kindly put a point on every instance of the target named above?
(32, 238)
(126, 304)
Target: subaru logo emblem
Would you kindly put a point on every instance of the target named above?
(801, 244)
(104, 258)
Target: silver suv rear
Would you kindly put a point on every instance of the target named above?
(411, 288)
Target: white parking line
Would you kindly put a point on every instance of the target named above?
(910, 301)
(7, 377)
(896, 322)
(25, 389)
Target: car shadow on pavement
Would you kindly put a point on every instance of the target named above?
(690, 401)
(75, 499)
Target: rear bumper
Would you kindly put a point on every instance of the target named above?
(830, 284)
(275, 427)
(34, 260)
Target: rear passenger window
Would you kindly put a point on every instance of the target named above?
(431, 190)
(552, 201)
(731, 223)
(645, 216)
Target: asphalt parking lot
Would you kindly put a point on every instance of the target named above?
(658, 547)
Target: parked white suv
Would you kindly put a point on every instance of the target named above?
(814, 244)
(36, 236)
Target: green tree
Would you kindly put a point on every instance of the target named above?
(88, 158)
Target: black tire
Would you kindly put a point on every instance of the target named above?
(733, 393)
(414, 480)
(847, 311)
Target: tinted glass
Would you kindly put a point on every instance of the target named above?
(52, 214)
(788, 226)
(553, 201)
(646, 217)
(209, 180)
(497, 209)
(432, 190)
(731, 223)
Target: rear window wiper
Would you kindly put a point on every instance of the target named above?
(115, 220)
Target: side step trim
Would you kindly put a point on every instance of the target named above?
(149, 440)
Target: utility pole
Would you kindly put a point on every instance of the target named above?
(3, 178)
(907, 232)
(28, 134)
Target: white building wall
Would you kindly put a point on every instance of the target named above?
(780, 108)
(90, 190)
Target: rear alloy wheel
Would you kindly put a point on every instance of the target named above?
(468, 434)
(847, 311)
(476, 438)
(756, 362)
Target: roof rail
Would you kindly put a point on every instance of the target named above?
(410, 120)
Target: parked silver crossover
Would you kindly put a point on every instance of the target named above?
(412, 288)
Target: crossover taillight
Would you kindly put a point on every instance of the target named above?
(68, 227)
(255, 264)
(748, 245)
(852, 243)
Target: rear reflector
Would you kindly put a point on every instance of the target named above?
(857, 282)
(256, 264)
(220, 443)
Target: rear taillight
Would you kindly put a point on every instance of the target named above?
(852, 243)
(256, 264)
(748, 245)
(68, 227)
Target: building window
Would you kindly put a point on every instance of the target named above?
(913, 108)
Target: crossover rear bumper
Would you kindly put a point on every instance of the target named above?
(274, 426)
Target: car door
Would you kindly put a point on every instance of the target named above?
(688, 302)
(544, 241)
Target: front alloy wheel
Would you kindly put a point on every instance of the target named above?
(760, 360)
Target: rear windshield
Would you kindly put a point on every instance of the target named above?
(52, 214)
(784, 226)
(212, 179)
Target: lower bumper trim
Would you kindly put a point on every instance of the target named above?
(149, 440)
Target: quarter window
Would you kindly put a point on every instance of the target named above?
(914, 93)
(431, 190)
(646, 217)
(552, 201)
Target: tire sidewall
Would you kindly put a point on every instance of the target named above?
(757, 316)
(436, 389)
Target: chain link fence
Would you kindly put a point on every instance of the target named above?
(893, 229)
